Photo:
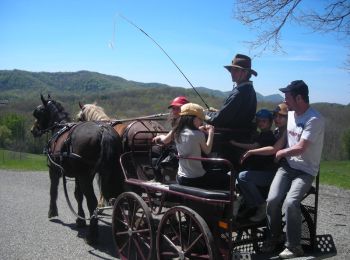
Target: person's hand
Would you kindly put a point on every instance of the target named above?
(245, 156)
(280, 154)
(210, 129)
(212, 109)
(157, 139)
(207, 128)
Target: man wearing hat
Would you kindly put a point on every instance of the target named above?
(299, 153)
(239, 109)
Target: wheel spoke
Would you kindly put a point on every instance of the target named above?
(133, 228)
(133, 214)
(127, 242)
(170, 243)
(193, 243)
(140, 218)
(180, 231)
(139, 248)
(124, 215)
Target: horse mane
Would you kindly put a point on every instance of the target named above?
(61, 110)
(92, 112)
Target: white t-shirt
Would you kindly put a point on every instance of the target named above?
(308, 126)
(189, 145)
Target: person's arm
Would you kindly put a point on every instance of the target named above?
(314, 128)
(267, 150)
(165, 139)
(245, 146)
(227, 112)
(295, 150)
(206, 147)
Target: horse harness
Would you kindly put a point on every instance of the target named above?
(59, 147)
(61, 139)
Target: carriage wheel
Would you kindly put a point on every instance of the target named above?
(132, 227)
(183, 234)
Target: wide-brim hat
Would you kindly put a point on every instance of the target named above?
(281, 109)
(242, 62)
(192, 109)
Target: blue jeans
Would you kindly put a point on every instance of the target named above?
(249, 181)
(289, 185)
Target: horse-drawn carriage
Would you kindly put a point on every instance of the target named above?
(163, 220)
(166, 220)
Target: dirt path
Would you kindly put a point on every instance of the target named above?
(334, 218)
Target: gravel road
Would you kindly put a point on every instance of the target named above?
(27, 233)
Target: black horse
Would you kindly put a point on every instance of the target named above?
(79, 150)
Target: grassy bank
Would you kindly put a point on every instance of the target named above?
(336, 173)
(22, 161)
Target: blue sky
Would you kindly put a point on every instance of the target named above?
(200, 36)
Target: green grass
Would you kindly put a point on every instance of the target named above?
(22, 161)
(335, 173)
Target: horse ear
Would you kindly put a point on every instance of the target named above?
(48, 96)
(43, 99)
(81, 105)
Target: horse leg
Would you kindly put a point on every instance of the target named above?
(101, 200)
(86, 185)
(79, 198)
(54, 181)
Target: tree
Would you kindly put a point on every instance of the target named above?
(346, 143)
(5, 135)
(269, 17)
(15, 124)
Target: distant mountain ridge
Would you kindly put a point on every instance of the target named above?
(275, 98)
(20, 81)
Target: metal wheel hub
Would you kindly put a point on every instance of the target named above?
(129, 232)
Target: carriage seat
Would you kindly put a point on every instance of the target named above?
(199, 192)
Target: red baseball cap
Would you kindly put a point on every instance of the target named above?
(178, 101)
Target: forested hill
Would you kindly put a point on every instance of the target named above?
(86, 82)
(20, 94)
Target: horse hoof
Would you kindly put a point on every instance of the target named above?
(52, 213)
(80, 223)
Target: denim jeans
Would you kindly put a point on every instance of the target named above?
(289, 185)
(249, 181)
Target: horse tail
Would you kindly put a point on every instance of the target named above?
(108, 165)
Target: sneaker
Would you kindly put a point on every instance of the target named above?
(260, 213)
(292, 252)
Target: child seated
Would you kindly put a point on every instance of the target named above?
(189, 137)
(265, 137)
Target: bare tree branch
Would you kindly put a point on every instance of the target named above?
(269, 17)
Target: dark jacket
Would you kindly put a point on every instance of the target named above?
(238, 110)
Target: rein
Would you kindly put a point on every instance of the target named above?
(46, 130)
(152, 117)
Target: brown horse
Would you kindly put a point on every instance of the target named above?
(79, 150)
(137, 134)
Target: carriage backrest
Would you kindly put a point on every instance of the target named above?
(138, 135)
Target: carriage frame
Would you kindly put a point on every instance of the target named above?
(172, 221)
